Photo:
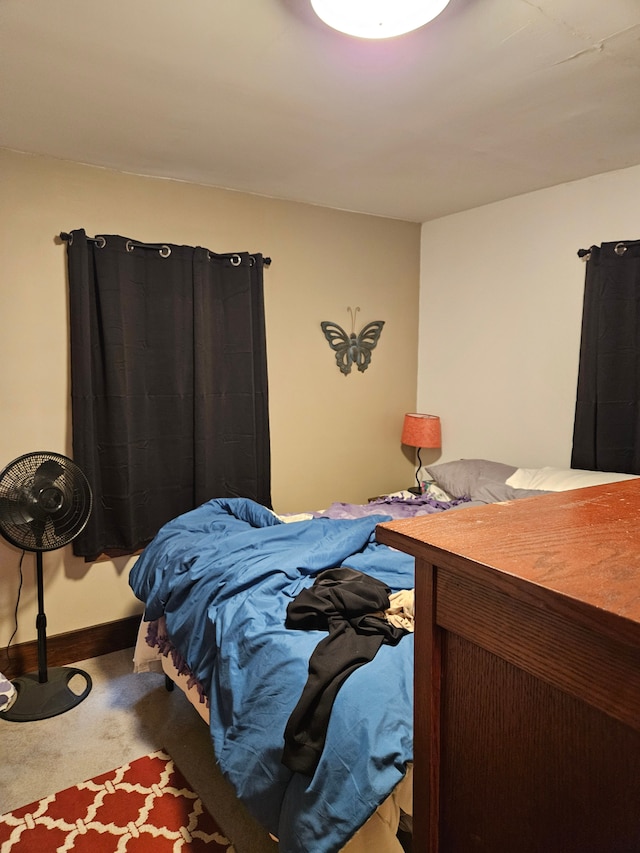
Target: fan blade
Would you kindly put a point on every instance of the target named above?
(46, 474)
(47, 498)
(14, 511)
(37, 527)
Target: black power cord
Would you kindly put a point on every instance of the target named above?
(15, 613)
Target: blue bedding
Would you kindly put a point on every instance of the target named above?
(223, 575)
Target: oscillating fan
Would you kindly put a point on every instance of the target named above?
(45, 502)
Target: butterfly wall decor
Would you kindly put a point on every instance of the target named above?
(352, 349)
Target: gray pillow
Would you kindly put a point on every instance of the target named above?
(460, 478)
(489, 492)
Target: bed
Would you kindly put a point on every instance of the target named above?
(234, 611)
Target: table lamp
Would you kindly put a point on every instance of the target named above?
(421, 431)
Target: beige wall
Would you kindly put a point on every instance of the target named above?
(500, 316)
(333, 437)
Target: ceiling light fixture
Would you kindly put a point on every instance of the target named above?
(377, 19)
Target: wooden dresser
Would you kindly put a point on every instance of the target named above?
(527, 674)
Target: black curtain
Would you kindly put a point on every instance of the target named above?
(607, 420)
(169, 383)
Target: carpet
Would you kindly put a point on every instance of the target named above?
(143, 806)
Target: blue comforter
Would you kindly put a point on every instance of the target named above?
(223, 576)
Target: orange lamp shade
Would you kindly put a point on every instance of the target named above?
(421, 430)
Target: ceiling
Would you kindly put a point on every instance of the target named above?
(492, 99)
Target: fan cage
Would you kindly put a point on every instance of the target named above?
(45, 501)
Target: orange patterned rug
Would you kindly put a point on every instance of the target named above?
(143, 806)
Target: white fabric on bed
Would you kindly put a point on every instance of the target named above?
(562, 480)
(146, 658)
(402, 609)
(379, 833)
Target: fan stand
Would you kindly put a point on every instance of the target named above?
(48, 692)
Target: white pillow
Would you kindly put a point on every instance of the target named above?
(561, 480)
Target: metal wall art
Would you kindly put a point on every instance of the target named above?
(352, 349)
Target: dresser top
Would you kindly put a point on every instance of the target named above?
(580, 548)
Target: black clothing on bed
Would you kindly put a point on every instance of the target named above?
(349, 605)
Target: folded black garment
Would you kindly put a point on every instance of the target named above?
(349, 605)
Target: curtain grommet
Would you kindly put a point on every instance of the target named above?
(129, 246)
(236, 260)
(620, 248)
(164, 251)
(101, 242)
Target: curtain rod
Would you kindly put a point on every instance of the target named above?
(620, 248)
(162, 248)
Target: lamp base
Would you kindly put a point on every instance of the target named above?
(414, 490)
(38, 700)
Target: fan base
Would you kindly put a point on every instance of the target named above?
(38, 700)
